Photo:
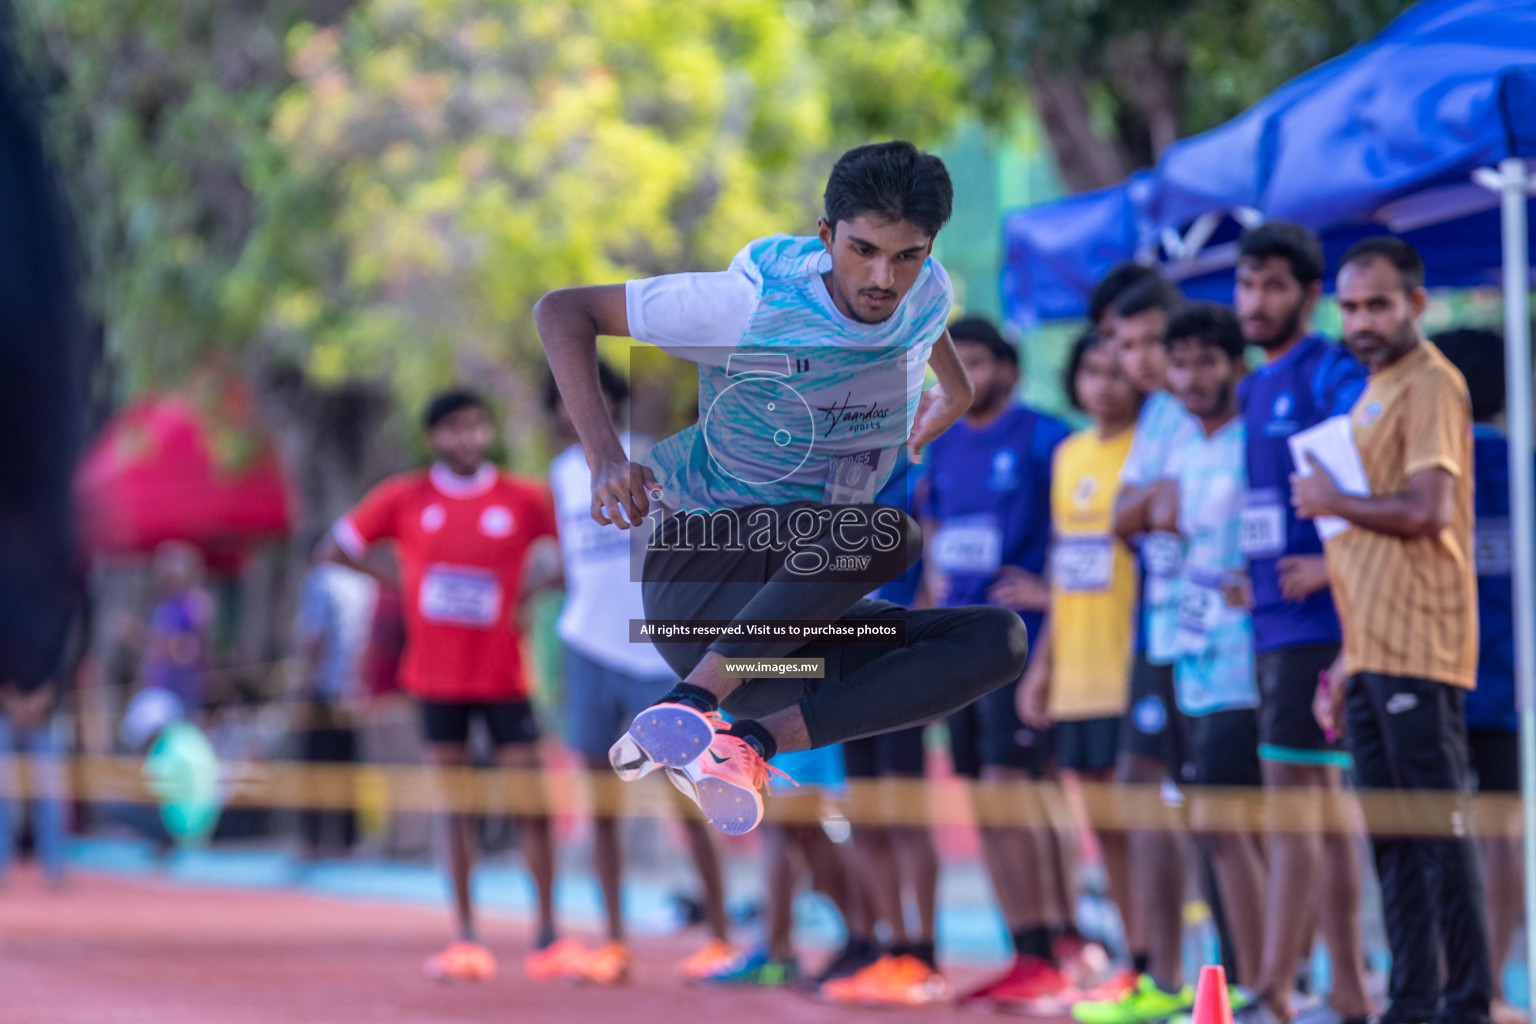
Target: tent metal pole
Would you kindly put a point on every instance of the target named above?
(1515, 186)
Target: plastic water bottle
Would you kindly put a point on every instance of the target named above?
(1202, 943)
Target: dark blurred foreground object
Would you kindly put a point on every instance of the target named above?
(40, 392)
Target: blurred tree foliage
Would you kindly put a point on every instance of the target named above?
(1115, 81)
(382, 189)
(474, 154)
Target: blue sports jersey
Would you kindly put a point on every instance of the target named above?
(1492, 704)
(989, 495)
(1315, 380)
(900, 492)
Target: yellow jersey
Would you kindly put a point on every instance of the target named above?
(1093, 580)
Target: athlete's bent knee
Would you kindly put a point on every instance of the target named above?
(1002, 646)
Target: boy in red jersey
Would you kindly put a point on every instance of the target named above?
(462, 532)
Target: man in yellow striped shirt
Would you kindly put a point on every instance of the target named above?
(1406, 592)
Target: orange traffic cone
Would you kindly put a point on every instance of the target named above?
(1211, 1003)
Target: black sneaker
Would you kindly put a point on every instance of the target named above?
(850, 960)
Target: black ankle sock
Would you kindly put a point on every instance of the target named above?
(924, 952)
(1140, 962)
(757, 737)
(695, 697)
(1035, 942)
(546, 938)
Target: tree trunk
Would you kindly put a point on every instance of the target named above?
(1085, 160)
(1149, 70)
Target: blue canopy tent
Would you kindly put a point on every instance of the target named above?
(1424, 131)
(1404, 119)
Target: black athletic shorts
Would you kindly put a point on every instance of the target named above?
(1224, 746)
(1288, 730)
(509, 722)
(1496, 759)
(1152, 725)
(989, 732)
(896, 754)
(1088, 744)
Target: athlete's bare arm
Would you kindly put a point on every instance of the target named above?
(1423, 510)
(569, 322)
(941, 407)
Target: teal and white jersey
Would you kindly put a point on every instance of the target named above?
(787, 383)
(1214, 668)
(1162, 428)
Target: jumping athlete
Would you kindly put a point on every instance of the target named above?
(811, 355)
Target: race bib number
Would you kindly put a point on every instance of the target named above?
(1491, 547)
(460, 596)
(1162, 554)
(851, 479)
(968, 546)
(1200, 609)
(1083, 563)
(1263, 525)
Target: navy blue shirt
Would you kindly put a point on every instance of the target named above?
(1492, 704)
(989, 492)
(1313, 381)
(900, 491)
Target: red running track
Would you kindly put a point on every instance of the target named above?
(113, 951)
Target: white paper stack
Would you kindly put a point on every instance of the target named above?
(1332, 443)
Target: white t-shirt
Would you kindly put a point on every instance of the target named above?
(787, 383)
(602, 592)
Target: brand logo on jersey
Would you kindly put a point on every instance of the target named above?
(1400, 702)
(433, 517)
(1281, 424)
(1003, 477)
(855, 417)
(496, 521)
(1151, 715)
(1370, 414)
(1083, 493)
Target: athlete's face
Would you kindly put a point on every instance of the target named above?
(1203, 377)
(1272, 305)
(874, 264)
(1138, 342)
(994, 379)
(1380, 315)
(461, 439)
(1103, 390)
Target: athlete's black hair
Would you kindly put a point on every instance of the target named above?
(892, 181)
(1114, 284)
(980, 331)
(1479, 354)
(446, 403)
(1147, 294)
(1293, 243)
(1211, 324)
(1409, 264)
(1085, 343)
(613, 385)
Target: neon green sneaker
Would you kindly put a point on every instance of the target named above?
(1239, 999)
(1145, 1004)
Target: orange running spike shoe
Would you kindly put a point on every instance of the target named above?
(562, 959)
(727, 783)
(608, 965)
(849, 991)
(907, 981)
(462, 961)
(715, 955)
(668, 735)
